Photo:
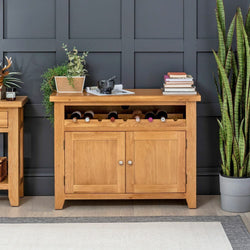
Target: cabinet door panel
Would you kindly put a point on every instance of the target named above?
(158, 162)
(92, 162)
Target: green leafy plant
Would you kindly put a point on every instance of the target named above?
(233, 92)
(49, 86)
(76, 63)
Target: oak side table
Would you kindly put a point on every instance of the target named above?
(11, 122)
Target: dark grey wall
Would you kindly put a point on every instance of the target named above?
(138, 40)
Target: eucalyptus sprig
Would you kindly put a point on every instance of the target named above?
(76, 63)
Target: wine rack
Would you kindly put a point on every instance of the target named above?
(125, 158)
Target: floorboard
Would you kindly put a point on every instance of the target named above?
(43, 206)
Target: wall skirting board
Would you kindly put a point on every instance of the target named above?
(143, 40)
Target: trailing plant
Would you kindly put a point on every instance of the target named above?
(74, 67)
(49, 86)
(233, 93)
(76, 64)
(7, 78)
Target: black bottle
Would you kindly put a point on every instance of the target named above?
(113, 115)
(88, 115)
(76, 115)
(162, 114)
(150, 116)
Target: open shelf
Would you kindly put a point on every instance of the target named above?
(4, 184)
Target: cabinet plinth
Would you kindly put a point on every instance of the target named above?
(125, 159)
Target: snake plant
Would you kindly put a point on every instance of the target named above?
(232, 83)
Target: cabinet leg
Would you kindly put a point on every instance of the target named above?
(59, 203)
(191, 202)
(14, 158)
(21, 190)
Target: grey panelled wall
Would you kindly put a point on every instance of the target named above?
(138, 40)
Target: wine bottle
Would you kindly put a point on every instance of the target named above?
(76, 115)
(137, 115)
(88, 115)
(112, 116)
(162, 114)
(150, 116)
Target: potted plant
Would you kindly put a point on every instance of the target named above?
(74, 81)
(8, 79)
(234, 98)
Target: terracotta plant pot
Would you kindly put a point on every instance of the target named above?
(63, 85)
(2, 92)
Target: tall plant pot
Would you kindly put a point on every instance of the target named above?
(63, 84)
(235, 194)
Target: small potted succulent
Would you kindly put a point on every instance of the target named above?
(8, 79)
(74, 81)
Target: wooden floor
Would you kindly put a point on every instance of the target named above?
(43, 206)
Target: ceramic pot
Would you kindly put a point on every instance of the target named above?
(235, 194)
(63, 85)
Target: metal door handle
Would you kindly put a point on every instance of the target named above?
(130, 163)
(120, 163)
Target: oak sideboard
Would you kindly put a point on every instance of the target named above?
(125, 159)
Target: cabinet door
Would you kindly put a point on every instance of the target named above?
(155, 162)
(92, 162)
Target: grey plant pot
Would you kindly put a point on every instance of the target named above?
(235, 194)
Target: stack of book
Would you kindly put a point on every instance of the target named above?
(178, 83)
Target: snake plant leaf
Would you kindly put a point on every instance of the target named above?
(221, 130)
(242, 144)
(228, 64)
(248, 166)
(235, 166)
(237, 102)
(226, 84)
(235, 68)
(247, 25)
(218, 92)
(221, 16)
(221, 146)
(230, 34)
(236, 152)
(247, 94)
(229, 140)
(222, 47)
(240, 43)
(244, 172)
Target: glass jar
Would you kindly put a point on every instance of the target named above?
(11, 94)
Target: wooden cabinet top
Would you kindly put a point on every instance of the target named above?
(141, 96)
(18, 103)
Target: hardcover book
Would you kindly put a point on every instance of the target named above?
(177, 74)
(187, 79)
